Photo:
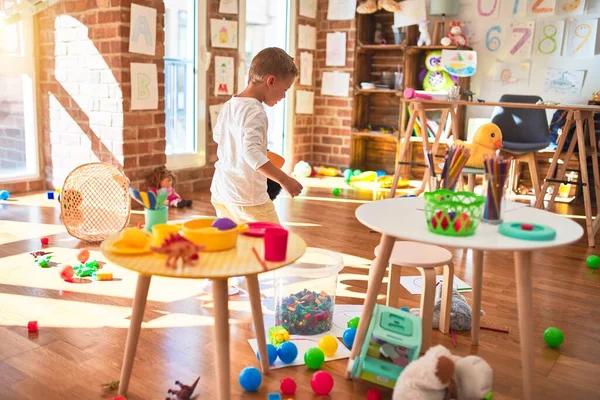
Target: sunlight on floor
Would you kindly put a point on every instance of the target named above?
(12, 231)
(38, 200)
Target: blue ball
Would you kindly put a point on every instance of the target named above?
(380, 172)
(250, 379)
(406, 309)
(272, 353)
(4, 195)
(348, 337)
(287, 352)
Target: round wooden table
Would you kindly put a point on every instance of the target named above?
(404, 218)
(217, 266)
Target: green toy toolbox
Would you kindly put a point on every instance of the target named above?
(393, 326)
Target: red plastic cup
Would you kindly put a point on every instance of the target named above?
(275, 244)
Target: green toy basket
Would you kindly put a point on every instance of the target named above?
(453, 213)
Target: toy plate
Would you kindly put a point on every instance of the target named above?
(110, 246)
(538, 233)
(257, 229)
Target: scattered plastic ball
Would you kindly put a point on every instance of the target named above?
(593, 262)
(553, 337)
(32, 327)
(347, 174)
(356, 172)
(83, 255)
(348, 337)
(4, 195)
(314, 358)
(373, 394)
(66, 272)
(272, 353)
(406, 309)
(250, 379)
(45, 241)
(353, 323)
(321, 383)
(288, 386)
(336, 191)
(287, 352)
(224, 224)
(329, 345)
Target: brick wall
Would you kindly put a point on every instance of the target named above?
(333, 115)
(85, 90)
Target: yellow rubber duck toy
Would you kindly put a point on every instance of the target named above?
(486, 141)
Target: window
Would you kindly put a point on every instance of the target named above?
(18, 132)
(185, 83)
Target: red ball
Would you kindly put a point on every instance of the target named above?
(45, 241)
(67, 272)
(373, 394)
(321, 383)
(288, 386)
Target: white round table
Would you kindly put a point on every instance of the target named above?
(404, 218)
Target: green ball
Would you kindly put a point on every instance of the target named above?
(553, 337)
(314, 358)
(353, 323)
(357, 172)
(593, 262)
(336, 191)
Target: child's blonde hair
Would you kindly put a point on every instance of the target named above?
(272, 61)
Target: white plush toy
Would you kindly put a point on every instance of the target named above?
(439, 375)
(424, 37)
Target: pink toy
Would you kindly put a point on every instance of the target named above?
(373, 394)
(275, 244)
(45, 241)
(162, 178)
(456, 36)
(410, 93)
(321, 383)
(32, 327)
(66, 272)
(288, 386)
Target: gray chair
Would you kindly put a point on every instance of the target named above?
(524, 132)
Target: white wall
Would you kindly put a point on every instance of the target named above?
(482, 83)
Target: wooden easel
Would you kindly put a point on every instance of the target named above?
(419, 109)
(554, 179)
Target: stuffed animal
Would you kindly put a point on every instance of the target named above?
(371, 6)
(433, 77)
(460, 311)
(424, 37)
(162, 178)
(440, 375)
(426, 378)
(486, 141)
(456, 36)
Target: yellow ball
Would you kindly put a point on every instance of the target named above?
(328, 345)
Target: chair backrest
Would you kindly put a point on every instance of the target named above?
(522, 125)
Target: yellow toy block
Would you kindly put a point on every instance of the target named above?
(102, 276)
(277, 335)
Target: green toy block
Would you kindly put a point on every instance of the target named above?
(277, 335)
(43, 261)
(86, 269)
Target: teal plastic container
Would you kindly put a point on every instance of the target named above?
(154, 217)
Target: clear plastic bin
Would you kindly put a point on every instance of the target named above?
(305, 292)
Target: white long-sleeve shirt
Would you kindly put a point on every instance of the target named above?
(241, 137)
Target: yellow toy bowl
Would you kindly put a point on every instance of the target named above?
(202, 233)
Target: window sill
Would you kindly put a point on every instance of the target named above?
(182, 161)
(20, 178)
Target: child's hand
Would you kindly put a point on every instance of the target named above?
(292, 186)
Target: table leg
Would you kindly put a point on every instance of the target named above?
(587, 200)
(221, 315)
(257, 316)
(525, 309)
(139, 304)
(427, 300)
(376, 273)
(447, 297)
(477, 287)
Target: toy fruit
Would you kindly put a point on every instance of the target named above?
(593, 262)
(83, 255)
(462, 222)
(224, 224)
(321, 383)
(329, 345)
(288, 386)
(287, 352)
(271, 352)
(250, 379)
(553, 337)
(66, 272)
(314, 358)
(353, 323)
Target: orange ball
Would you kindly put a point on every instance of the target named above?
(83, 255)
(66, 272)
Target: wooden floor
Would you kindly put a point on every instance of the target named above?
(83, 326)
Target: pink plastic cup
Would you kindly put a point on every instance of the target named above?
(275, 244)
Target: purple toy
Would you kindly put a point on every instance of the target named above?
(224, 224)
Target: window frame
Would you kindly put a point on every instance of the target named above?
(198, 158)
(25, 64)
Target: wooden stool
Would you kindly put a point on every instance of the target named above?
(424, 257)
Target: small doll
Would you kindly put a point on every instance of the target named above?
(162, 178)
